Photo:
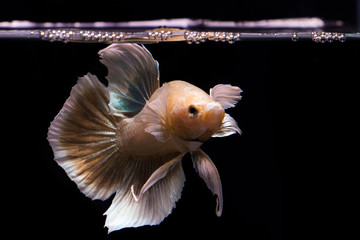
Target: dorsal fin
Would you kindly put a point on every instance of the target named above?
(133, 76)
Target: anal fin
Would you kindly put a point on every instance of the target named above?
(158, 198)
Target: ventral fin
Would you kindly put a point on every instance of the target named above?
(208, 172)
(228, 127)
(158, 174)
(226, 95)
(133, 76)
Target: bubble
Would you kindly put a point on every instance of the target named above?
(294, 37)
(327, 37)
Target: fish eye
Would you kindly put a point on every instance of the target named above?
(192, 111)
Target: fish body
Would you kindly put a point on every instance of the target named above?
(129, 137)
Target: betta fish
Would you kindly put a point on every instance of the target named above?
(129, 137)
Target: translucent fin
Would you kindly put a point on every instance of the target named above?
(133, 76)
(158, 174)
(208, 172)
(154, 114)
(152, 207)
(228, 127)
(82, 137)
(226, 95)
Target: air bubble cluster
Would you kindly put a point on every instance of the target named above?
(198, 37)
(327, 37)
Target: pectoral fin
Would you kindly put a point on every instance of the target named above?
(228, 127)
(154, 114)
(208, 172)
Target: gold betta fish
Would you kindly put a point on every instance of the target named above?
(130, 136)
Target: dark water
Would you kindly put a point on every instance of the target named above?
(289, 176)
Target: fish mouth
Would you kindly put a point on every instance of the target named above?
(213, 117)
(214, 113)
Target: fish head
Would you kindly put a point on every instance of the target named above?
(192, 114)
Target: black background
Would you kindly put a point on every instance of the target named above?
(289, 176)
